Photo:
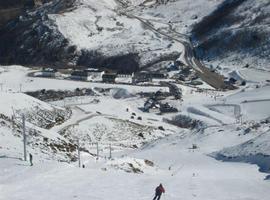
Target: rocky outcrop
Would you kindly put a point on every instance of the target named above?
(11, 9)
(9, 14)
(123, 63)
(32, 39)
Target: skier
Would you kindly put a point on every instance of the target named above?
(31, 159)
(159, 191)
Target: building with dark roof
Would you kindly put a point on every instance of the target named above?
(109, 77)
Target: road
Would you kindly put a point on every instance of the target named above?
(174, 90)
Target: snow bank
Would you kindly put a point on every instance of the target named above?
(120, 93)
(131, 165)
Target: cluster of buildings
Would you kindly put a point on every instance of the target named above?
(48, 73)
(154, 104)
(86, 74)
(145, 76)
(92, 74)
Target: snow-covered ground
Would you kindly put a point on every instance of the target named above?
(146, 151)
(254, 102)
(181, 14)
(185, 174)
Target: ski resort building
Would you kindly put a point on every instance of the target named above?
(47, 72)
(109, 77)
(80, 75)
(94, 74)
(145, 76)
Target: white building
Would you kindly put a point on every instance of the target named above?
(94, 74)
(87, 75)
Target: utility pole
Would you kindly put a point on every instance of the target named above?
(20, 87)
(241, 119)
(13, 122)
(24, 137)
(110, 156)
(79, 153)
(97, 151)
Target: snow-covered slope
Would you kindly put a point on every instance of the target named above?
(38, 112)
(236, 34)
(254, 151)
(145, 149)
(185, 174)
(39, 117)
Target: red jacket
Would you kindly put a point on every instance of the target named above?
(160, 190)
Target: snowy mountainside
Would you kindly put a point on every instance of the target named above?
(33, 39)
(84, 32)
(99, 34)
(235, 34)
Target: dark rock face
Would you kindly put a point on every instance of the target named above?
(126, 63)
(9, 10)
(32, 39)
(4, 4)
(237, 27)
(216, 19)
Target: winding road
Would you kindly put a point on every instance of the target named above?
(189, 58)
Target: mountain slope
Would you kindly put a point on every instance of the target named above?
(99, 34)
(236, 33)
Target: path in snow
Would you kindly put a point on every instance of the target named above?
(237, 108)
